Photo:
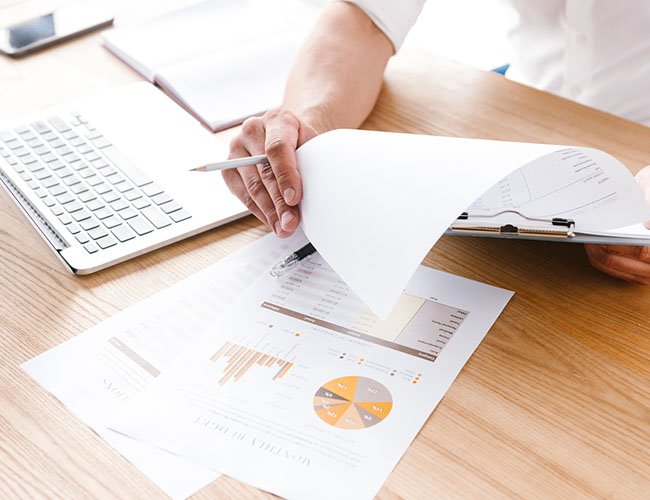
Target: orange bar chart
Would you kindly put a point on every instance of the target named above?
(240, 359)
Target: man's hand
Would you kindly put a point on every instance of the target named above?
(272, 191)
(626, 262)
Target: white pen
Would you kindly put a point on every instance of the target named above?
(234, 163)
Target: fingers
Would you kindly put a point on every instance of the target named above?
(282, 130)
(284, 219)
(631, 264)
(238, 186)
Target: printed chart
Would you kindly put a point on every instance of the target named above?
(240, 359)
(352, 402)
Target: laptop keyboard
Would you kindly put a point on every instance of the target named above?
(100, 196)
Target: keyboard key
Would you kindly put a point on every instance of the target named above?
(102, 188)
(141, 203)
(86, 172)
(70, 135)
(22, 130)
(65, 219)
(98, 232)
(115, 179)
(41, 127)
(57, 143)
(111, 196)
(74, 228)
(106, 242)
(65, 150)
(6, 135)
(84, 148)
(49, 136)
(28, 160)
(34, 143)
(161, 198)
(180, 216)
(18, 168)
(106, 170)
(77, 141)
(156, 217)
(140, 225)
(123, 233)
(36, 166)
(119, 205)
(91, 247)
(89, 224)
(152, 189)
(92, 135)
(81, 215)
(79, 166)
(137, 176)
(48, 158)
(41, 150)
(170, 207)
(64, 172)
(87, 196)
(42, 174)
(14, 144)
(93, 155)
(57, 190)
(40, 192)
(49, 182)
(112, 221)
(124, 187)
(94, 181)
(132, 195)
(65, 198)
(100, 142)
(56, 210)
(71, 157)
(103, 213)
(79, 188)
(21, 151)
(128, 213)
(28, 136)
(95, 204)
(49, 201)
(71, 181)
(82, 238)
(55, 165)
(74, 206)
(26, 176)
(33, 184)
(99, 163)
(58, 124)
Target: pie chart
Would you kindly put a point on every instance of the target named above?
(352, 402)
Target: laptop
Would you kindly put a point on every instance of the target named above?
(105, 179)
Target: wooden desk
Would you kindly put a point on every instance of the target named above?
(554, 403)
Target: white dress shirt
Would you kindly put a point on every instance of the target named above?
(596, 52)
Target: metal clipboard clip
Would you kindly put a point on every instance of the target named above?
(556, 228)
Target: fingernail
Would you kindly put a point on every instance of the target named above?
(287, 217)
(289, 193)
(278, 227)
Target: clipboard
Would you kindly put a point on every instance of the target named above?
(534, 228)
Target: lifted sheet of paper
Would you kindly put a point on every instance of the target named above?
(309, 395)
(375, 202)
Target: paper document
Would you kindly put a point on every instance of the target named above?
(372, 198)
(98, 372)
(302, 391)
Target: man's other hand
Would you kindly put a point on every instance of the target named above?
(626, 262)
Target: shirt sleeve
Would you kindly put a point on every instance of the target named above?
(394, 17)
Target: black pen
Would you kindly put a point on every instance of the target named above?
(291, 260)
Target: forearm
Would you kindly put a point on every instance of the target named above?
(338, 73)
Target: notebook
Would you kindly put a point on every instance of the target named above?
(222, 60)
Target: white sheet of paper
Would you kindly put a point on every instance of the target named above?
(308, 394)
(99, 371)
(375, 202)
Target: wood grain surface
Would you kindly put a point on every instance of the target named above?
(555, 403)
